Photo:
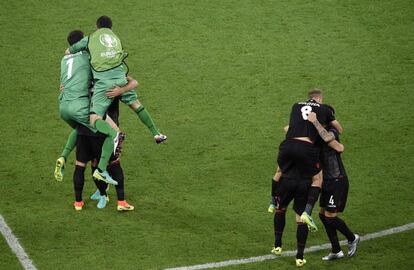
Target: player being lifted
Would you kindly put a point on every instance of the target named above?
(334, 195)
(75, 79)
(299, 149)
(109, 70)
(299, 156)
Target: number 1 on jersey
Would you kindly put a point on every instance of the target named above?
(69, 63)
(306, 110)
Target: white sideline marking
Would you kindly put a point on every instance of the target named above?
(15, 245)
(369, 236)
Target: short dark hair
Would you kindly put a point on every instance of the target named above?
(313, 93)
(75, 36)
(104, 22)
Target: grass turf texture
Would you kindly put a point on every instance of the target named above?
(218, 77)
(8, 259)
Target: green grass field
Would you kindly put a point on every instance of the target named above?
(219, 78)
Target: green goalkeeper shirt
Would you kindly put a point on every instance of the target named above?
(75, 76)
(106, 53)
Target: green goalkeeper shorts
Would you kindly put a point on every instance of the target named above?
(100, 102)
(76, 112)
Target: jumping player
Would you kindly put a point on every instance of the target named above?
(299, 150)
(74, 99)
(299, 167)
(109, 70)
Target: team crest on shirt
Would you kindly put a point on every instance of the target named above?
(108, 40)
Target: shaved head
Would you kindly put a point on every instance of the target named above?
(315, 94)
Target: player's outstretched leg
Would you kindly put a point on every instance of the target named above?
(308, 220)
(306, 217)
(109, 147)
(60, 162)
(60, 168)
(146, 119)
(101, 173)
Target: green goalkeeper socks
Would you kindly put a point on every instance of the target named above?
(145, 118)
(107, 149)
(108, 145)
(103, 127)
(70, 144)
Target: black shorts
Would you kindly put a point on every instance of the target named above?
(300, 155)
(295, 189)
(89, 148)
(334, 194)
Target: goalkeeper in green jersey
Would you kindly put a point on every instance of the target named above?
(109, 70)
(74, 101)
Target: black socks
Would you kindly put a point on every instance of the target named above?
(332, 235)
(301, 237)
(339, 224)
(78, 181)
(279, 225)
(117, 173)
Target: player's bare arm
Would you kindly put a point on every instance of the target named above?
(117, 91)
(325, 135)
(335, 124)
(337, 146)
(328, 137)
(78, 46)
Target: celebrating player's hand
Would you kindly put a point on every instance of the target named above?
(114, 92)
(61, 88)
(312, 117)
